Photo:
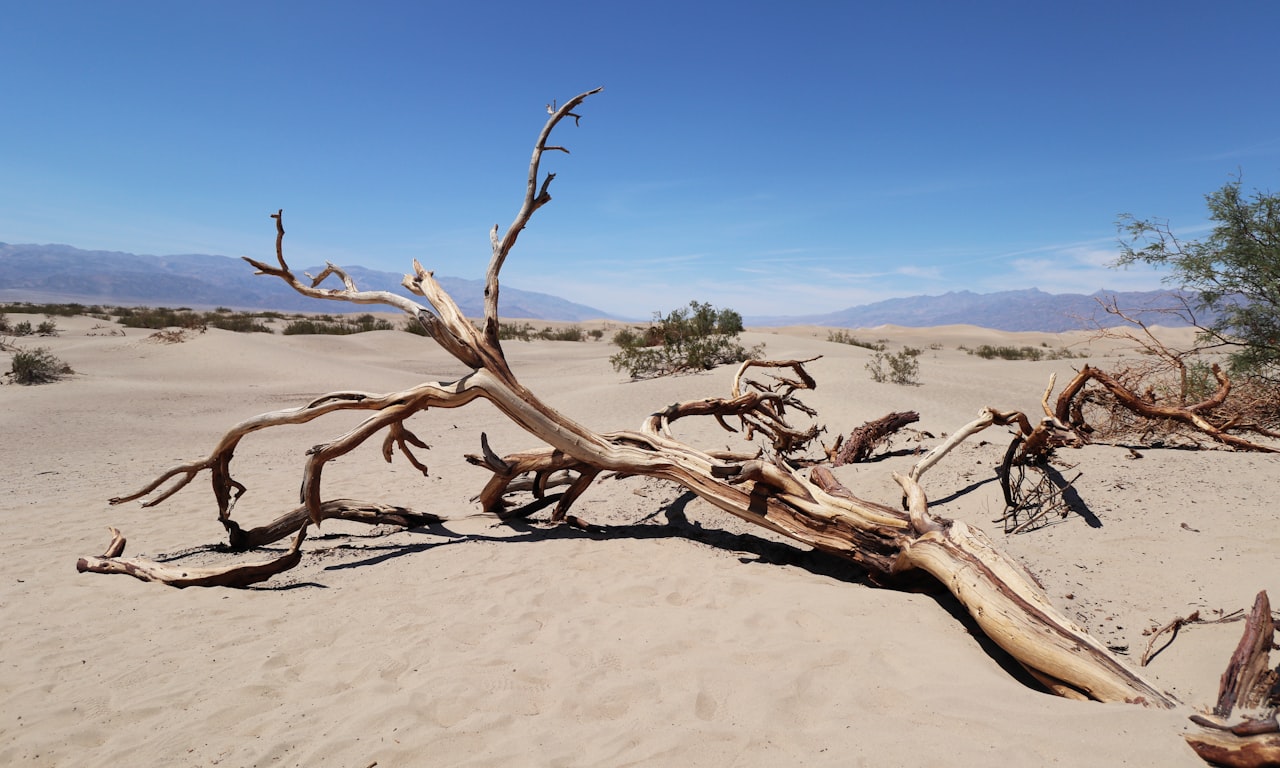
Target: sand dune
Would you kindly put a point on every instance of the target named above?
(684, 638)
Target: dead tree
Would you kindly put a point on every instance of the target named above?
(762, 487)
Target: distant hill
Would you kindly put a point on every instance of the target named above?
(61, 273)
(1026, 310)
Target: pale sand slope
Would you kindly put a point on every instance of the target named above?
(476, 644)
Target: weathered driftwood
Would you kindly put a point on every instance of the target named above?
(240, 575)
(764, 487)
(1249, 684)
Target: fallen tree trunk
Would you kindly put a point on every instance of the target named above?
(765, 487)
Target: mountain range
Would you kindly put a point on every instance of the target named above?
(61, 273)
(1023, 310)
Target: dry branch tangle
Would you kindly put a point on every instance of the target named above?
(764, 488)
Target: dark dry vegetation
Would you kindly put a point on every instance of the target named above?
(1043, 352)
(176, 325)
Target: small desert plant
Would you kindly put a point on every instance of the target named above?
(52, 310)
(989, 352)
(47, 328)
(37, 366)
(238, 322)
(526, 332)
(515, 332)
(328, 325)
(844, 337)
(570, 333)
(160, 317)
(698, 337)
(901, 367)
(414, 327)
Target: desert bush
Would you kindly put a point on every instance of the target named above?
(239, 322)
(160, 317)
(845, 337)
(47, 328)
(37, 366)
(51, 310)
(342, 326)
(989, 352)
(569, 333)
(515, 332)
(526, 332)
(22, 329)
(416, 328)
(698, 337)
(902, 367)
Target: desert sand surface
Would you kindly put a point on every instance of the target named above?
(682, 637)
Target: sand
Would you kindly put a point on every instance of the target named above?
(684, 637)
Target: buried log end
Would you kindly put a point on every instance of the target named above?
(1227, 749)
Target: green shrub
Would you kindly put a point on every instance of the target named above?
(698, 337)
(160, 317)
(47, 328)
(52, 310)
(570, 333)
(844, 337)
(240, 323)
(989, 352)
(414, 327)
(37, 366)
(514, 332)
(526, 332)
(344, 326)
(901, 367)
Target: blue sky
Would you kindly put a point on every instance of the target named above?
(777, 158)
